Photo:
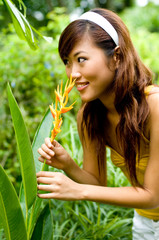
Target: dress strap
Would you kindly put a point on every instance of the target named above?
(151, 89)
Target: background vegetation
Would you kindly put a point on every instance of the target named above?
(33, 75)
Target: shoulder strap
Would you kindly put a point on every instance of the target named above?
(151, 89)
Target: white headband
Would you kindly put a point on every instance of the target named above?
(102, 22)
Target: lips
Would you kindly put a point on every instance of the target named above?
(81, 85)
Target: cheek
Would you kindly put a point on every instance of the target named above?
(68, 72)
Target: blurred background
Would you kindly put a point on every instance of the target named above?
(33, 75)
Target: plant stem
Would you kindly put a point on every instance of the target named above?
(43, 165)
(30, 221)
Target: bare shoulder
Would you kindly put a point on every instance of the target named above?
(153, 101)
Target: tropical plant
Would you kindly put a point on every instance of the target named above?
(24, 30)
(20, 216)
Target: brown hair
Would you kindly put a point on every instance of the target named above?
(131, 78)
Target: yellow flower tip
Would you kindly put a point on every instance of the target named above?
(60, 123)
(73, 103)
(66, 109)
(69, 88)
(53, 112)
(59, 97)
(56, 131)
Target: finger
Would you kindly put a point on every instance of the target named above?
(45, 195)
(45, 174)
(49, 151)
(45, 180)
(58, 149)
(41, 159)
(56, 144)
(48, 142)
(44, 154)
(47, 188)
(48, 162)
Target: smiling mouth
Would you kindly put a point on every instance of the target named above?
(81, 86)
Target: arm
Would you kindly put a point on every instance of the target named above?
(146, 197)
(57, 157)
(90, 158)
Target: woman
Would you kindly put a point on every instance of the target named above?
(118, 111)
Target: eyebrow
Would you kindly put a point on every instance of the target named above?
(77, 53)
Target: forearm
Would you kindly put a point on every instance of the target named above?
(121, 196)
(80, 175)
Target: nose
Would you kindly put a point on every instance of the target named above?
(73, 70)
(76, 75)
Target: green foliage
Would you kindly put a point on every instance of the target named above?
(21, 25)
(57, 21)
(148, 49)
(33, 76)
(20, 216)
(11, 214)
(143, 17)
(143, 26)
(25, 152)
(90, 220)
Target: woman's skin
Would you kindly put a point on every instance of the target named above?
(94, 74)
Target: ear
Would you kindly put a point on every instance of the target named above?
(116, 56)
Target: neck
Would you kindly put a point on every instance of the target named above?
(108, 101)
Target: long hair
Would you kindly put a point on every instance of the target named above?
(130, 80)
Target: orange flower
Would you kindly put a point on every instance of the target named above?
(53, 112)
(70, 86)
(62, 99)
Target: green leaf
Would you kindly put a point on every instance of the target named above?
(25, 152)
(44, 227)
(11, 214)
(42, 132)
(21, 24)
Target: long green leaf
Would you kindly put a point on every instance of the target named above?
(25, 152)
(21, 25)
(42, 132)
(44, 226)
(10, 211)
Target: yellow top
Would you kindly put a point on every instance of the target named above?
(118, 161)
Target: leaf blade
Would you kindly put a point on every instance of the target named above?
(42, 132)
(21, 25)
(11, 213)
(25, 151)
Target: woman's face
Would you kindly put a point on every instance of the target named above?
(89, 65)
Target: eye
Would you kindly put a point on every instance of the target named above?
(65, 61)
(81, 59)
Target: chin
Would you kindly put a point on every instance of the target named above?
(86, 100)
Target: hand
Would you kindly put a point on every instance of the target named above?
(58, 185)
(54, 154)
